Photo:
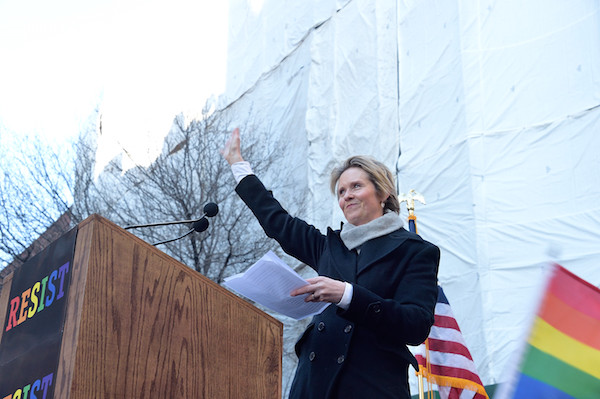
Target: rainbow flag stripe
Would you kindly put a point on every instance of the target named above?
(562, 358)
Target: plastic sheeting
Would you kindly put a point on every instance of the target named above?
(499, 119)
(488, 108)
(352, 95)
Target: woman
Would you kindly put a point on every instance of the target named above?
(382, 279)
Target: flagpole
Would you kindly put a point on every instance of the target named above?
(410, 206)
(473, 383)
(412, 226)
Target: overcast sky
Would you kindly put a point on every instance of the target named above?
(141, 61)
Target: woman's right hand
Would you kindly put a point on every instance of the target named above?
(232, 151)
(321, 289)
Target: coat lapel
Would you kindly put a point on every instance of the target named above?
(343, 260)
(373, 250)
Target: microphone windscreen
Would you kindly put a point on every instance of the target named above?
(200, 225)
(211, 209)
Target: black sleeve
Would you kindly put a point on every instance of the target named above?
(297, 238)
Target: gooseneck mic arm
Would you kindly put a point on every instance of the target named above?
(199, 225)
(174, 239)
(135, 226)
(210, 210)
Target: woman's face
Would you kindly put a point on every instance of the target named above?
(357, 197)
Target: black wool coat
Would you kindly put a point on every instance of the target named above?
(359, 352)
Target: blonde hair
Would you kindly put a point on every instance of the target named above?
(379, 174)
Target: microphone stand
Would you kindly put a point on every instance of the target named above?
(174, 239)
(167, 224)
(162, 223)
(199, 225)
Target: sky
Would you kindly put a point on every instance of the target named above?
(139, 62)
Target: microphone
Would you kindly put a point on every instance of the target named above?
(199, 225)
(210, 210)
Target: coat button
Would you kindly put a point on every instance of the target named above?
(321, 326)
(311, 356)
(341, 359)
(377, 308)
(348, 328)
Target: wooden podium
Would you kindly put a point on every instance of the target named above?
(139, 324)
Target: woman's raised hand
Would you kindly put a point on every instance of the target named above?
(232, 151)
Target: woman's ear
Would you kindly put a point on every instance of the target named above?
(384, 197)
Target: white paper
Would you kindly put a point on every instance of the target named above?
(269, 282)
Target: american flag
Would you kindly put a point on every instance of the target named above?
(444, 359)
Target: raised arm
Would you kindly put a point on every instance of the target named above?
(232, 150)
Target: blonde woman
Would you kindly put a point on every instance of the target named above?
(381, 278)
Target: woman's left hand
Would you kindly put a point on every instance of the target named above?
(232, 150)
(321, 289)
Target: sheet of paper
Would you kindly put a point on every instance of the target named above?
(269, 282)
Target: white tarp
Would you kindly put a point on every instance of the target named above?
(488, 108)
(499, 130)
(352, 95)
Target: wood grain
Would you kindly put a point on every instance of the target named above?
(142, 325)
(4, 298)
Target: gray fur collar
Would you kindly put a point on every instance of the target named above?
(355, 236)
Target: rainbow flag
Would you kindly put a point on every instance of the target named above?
(562, 356)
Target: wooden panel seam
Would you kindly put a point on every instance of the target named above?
(68, 351)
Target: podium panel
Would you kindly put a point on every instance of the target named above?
(139, 324)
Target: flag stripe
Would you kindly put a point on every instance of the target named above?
(439, 345)
(443, 309)
(570, 321)
(454, 372)
(575, 292)
(446, 322)
(531, 388)
(457, 361)
(456, 393)
(448, 381)
(447, 334)
(548, 339)
(552, 371)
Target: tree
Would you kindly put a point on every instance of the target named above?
(187, 175)
(35, 192)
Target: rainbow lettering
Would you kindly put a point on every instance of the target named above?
(35, 299)
(31, 391)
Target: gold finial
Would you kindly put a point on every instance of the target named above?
(410, 200)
